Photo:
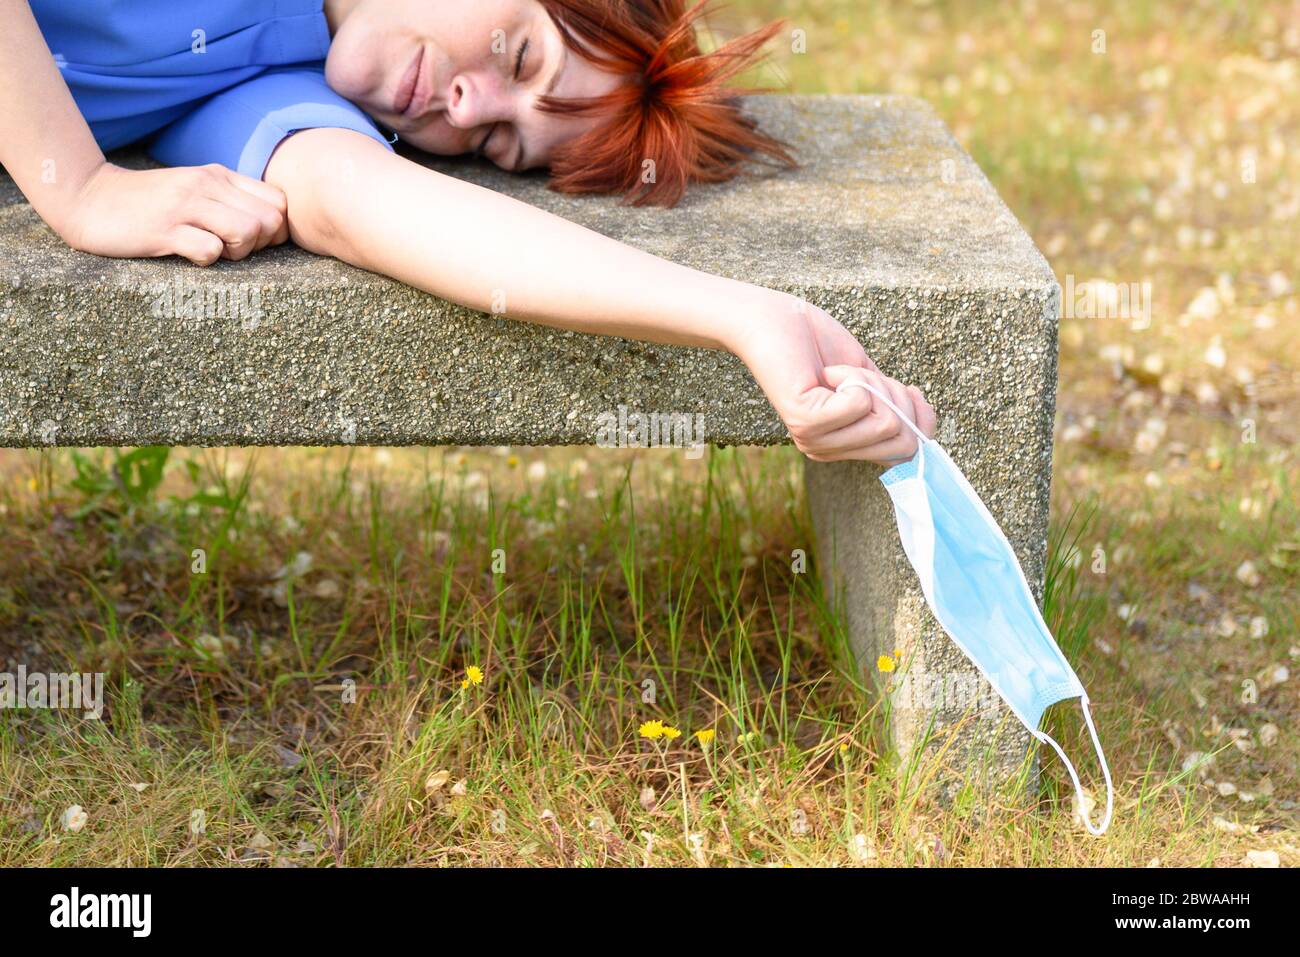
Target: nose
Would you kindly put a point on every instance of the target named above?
(473, 102)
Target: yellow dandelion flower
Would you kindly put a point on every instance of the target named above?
(670, 732)
(705, 737)
(844, 747)
(885, 663)
(474, 675)
(652, 730)
(513, 462)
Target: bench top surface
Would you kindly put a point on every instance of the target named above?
(887, 224)
(885, 196)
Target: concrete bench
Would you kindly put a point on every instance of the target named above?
(888, 225)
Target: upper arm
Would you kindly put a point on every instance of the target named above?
(241, 128)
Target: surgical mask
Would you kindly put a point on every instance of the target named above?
(974, 585)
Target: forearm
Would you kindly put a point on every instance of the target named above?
(45, 143)
(493, 253)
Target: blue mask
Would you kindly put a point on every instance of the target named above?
(977, 591)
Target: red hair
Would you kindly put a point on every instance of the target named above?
(675, 121)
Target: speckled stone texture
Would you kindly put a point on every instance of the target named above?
(888, 225)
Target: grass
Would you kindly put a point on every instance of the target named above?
(298, 699)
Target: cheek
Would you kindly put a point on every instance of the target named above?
(351, 68)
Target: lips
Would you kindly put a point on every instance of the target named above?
(406, 89)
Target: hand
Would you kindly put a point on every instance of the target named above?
(799, 354)
(203, 213)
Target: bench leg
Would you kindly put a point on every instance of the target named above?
(937, 700)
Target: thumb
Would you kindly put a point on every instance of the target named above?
(845, 407)
(836, 376)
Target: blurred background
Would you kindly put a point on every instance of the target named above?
(349, 680)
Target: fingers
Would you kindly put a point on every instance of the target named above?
(876, 432)
(891, 397)
(273, 226)
(232, 223)
(265, 202)
(271, 195)
(245, 213)
(926, 420)
(833, 410)
(240, 232)
(197, 245)
(873, 431)
(857, 401)
(887, 453)
(881, 437)
(870, 402)
(907, 437)
(837, 375)
(902, 401)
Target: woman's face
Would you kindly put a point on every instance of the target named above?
(460, 76)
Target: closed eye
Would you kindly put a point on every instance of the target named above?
(480, 153)
(519, 58)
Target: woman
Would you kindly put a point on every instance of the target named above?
(265, 112)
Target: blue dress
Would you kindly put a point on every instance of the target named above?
(201, 81)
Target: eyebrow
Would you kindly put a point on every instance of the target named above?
(550, 88)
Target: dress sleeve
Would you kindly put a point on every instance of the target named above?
(241, 127)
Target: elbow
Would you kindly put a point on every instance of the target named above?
(313, 228)
(307, 168)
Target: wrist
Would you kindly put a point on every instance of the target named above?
(750, 311)
(66, 215)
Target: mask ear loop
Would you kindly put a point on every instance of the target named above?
(1078, 789)
(921, 437)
